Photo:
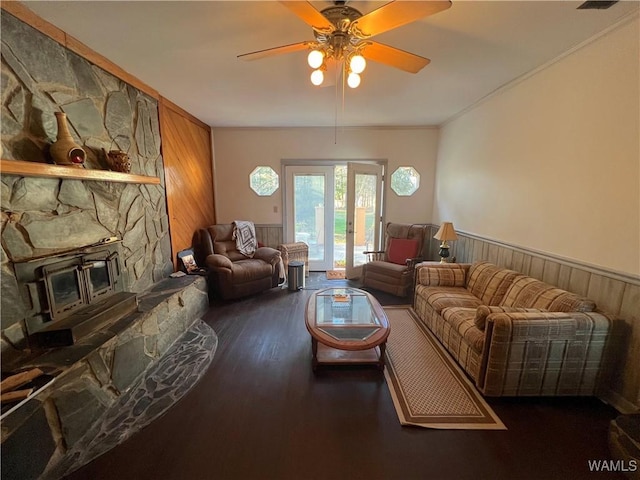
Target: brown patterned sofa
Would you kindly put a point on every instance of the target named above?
(513, 335)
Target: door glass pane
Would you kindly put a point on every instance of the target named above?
(340, 217)
(309, 213)
(364, 231)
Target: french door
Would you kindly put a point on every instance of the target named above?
(364, 214)
(309, 205)
(335, 208)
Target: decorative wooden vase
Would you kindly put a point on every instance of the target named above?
(64, 150)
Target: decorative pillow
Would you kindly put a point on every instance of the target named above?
(400, 249)
(484, 311)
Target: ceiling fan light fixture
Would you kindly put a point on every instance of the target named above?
(317, 77)
(353, 80)
(315, 58)
(357, 64)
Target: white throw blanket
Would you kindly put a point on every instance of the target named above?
(245, 234)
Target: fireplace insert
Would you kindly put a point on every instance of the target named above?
(80, 281)
(73, 294)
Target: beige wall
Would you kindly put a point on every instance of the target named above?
(552, 162)
(237, 151)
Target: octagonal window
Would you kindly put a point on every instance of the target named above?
(405, 181)
(264, 181)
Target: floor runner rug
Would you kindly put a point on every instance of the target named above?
(427, 386)
(335, 275)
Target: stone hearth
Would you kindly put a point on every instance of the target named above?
(155, 392)
(52, 432)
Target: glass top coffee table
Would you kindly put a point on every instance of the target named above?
(347, 326)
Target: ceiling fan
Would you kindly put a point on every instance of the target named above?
(343, 33)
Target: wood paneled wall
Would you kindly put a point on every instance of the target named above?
(188, 166)
(269, 235)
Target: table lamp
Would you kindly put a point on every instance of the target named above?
(444, 234)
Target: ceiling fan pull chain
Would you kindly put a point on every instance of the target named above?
(335, 108)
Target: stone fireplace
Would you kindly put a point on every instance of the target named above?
(73, 294)
(51, 217)
(84, 264)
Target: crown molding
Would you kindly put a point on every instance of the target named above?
(635, 15)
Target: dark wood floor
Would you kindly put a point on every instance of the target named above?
(260, 413)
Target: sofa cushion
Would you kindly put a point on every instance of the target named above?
(442, 275)
(250, 269)
(442, 297)
(483, 311)
(387, 269)
(489, 282)
(461, 320)
(401, 249)
(528, 292)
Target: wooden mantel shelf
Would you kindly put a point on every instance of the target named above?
(36, 169)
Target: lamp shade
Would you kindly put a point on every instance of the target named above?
(446, 232)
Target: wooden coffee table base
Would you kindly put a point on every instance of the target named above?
(325, 355)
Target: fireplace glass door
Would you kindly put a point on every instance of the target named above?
(100, 281)
(73, 284)
(65, 290)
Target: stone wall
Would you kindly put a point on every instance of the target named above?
(41, 216)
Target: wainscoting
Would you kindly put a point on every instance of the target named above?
(615, 293)
(269, 235)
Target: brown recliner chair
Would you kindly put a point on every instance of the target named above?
(231, 274)
(392, 270)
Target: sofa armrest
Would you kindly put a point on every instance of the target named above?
(483, 311)
(374, 255)
(268, 254)
(412, 262)
(543, 353)
(432, 274)
(215, 260)
(202, 245)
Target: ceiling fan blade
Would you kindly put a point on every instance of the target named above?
(311, 16)
(393, 15)
(294, 47)
(394, 57)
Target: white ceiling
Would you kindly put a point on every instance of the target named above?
(187, 51)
